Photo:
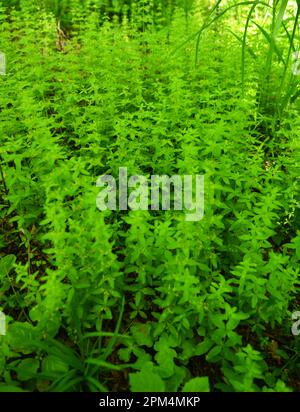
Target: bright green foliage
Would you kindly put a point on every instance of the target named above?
(142, 300)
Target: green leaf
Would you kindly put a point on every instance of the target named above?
(203, 347)
(142, 334)
(27, 369)
(54, 365)
(197, 385)
(146, 380)
(10, 388)
(279, 18)
(6, 264)
(213, 353)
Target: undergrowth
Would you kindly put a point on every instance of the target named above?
(141, 300)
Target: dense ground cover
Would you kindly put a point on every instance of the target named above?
(144, 300)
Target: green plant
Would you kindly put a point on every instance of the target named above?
(144, 300)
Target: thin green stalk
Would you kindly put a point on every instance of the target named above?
(244, 43)
(291, 48)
